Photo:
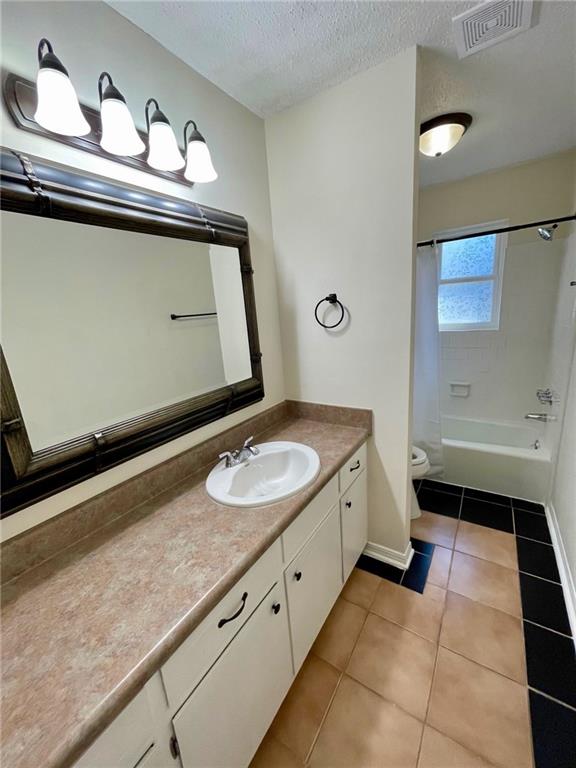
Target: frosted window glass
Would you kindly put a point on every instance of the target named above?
(463, 303)
(468, 258)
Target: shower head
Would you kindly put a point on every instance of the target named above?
(547, 233)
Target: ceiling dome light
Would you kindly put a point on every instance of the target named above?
(199, 166)
(58, 109)
(163, 151)
(441, 134)
(119, 134)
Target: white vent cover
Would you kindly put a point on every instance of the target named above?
(490, 23)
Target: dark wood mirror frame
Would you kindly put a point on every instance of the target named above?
(38, 187)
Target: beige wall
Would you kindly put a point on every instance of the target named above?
(342, 168)
(91, 37)
(533, 191)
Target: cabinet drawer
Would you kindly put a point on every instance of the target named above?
(352, 468)
(224, 720)
(313, 582)
(126, 740)
(354, 523)
(309, 519)
(186, 667)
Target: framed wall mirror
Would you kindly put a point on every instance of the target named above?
(128, 319)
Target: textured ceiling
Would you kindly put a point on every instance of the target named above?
(271, 55)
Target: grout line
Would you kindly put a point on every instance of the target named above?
(536, 541)
(549, 629)
(552, 698)
(542, 578)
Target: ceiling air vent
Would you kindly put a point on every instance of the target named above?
(490, 23)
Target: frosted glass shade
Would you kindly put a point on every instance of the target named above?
(441, 139)
(58, 109)
(164, 154)
(119, 135)
(199, 167)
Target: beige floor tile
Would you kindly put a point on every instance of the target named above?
(410, 609)
(364, 731)
(395, 663)
(273, 754)
(440, 567)
(485, 712)
(438, 751)
(434, 593)
(361, 588)
(338, 636)
(487, 543)
(485, 582)
(437, 529)
(483, 634)
(303, 709)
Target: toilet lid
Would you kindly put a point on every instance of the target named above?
(418, 456)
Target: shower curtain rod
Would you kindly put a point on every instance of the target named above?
(499, 231)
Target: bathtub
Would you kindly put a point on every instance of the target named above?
(496, 456)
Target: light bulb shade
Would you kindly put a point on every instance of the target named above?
(58, 109)
(199, 167)
(164, 153)
(441, 134)
(119, 134)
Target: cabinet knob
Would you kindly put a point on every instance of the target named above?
(348, 504)
(298, 575)
(276, 608)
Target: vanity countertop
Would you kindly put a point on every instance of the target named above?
(83, 632)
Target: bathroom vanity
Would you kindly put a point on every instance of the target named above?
(171, 635)
(213, 700)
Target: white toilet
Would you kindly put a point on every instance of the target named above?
(420, 467)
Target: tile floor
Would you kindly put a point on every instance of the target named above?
(463, 661)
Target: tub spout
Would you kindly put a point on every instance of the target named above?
(540, 417)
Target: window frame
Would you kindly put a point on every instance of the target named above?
(496, 277)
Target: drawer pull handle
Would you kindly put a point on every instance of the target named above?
(356, 466)
(298, 575)
(348, 504)
(276, 608)
(238, 612)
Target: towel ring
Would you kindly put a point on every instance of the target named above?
(331, 299)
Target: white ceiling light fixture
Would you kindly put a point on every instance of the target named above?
(119, 134)
(199, 167)
(58, 109)
(441, 134)
(163, 151)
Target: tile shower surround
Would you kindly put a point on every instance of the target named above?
(548, 641)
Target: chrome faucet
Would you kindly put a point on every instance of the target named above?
(233, 458)
(540, 417)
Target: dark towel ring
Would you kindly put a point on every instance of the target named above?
(331, 299)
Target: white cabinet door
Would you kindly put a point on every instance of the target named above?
(313, 582)
(354, 517)
(224, 720)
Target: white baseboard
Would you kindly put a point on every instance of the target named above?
(390, 556)
(565, 573)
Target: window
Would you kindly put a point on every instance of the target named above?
(470, 282)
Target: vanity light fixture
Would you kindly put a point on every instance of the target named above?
(199, 165)
(58, 109)
(119, 134)
(163, 151)
(441, 134)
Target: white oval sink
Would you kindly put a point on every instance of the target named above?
(280, 470)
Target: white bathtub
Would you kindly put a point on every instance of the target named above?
(496, 456)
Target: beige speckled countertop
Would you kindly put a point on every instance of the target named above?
(83, 632)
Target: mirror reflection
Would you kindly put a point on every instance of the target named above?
(102, 325)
